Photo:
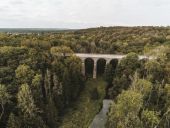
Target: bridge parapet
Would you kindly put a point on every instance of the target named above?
(108, 56)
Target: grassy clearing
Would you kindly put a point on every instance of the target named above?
(85, 108)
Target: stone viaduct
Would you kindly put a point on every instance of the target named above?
(107, 57)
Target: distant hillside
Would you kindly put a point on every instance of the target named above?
(110, 40)
(32, 30)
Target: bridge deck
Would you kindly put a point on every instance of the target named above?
(105, 56)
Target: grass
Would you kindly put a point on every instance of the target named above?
(85, 108)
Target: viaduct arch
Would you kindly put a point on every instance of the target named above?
(95, 58)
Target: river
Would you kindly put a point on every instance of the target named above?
(100, 119)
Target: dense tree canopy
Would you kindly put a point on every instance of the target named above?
(41, 78)
(152, 89)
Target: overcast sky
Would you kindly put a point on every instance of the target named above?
(83, 13)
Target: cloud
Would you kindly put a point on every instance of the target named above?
(83, 13)
(17, 2)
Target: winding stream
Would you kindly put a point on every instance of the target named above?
(100, 119)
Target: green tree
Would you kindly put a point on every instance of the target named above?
(13, 121)
(124, 112)
(29, 111)
(52, 114)
(61, 51)
(141, 85)
(4, 99)
(109, 74)
(24, 74)
(128, 65)
(36, 89)
(125, 71)
(155, 71)
(150, 119)
(26, 102)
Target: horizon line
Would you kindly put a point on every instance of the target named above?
(130, 26)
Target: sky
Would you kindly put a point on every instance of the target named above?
(83, 13)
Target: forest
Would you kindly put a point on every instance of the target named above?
(41, 87)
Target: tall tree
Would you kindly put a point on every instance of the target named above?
(13, 121)
(24, 74)
(124, 112)
(29, 111)
(4, 99)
